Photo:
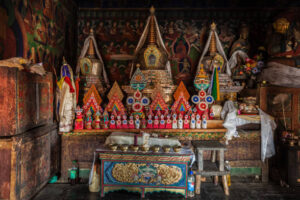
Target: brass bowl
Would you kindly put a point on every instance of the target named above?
(113, 147)
(156, 148)
(145, 148)
(124, 147)
(177, 149)
(134, 148)
(166, 148)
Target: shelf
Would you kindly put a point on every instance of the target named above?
(149, 130)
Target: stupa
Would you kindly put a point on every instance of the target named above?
(214, 61)
(152, 56)
(90, 67)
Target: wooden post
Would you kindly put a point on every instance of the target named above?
(216, 180)
(221, 159)
(198, 184)
(213, 157)
(225, 185)
(200, 160)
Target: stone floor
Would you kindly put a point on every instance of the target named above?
(238, 191)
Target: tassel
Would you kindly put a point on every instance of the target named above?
(215, 87)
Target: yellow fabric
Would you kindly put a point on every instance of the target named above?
(60, 82)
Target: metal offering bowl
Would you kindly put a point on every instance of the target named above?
(134, 148)
(124, 147)
(145, 148)
(166, 148)
(156, 148)
(177, 148)
(113, 147)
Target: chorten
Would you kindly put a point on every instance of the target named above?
(213, 68)
(91, 67)
(152, 57)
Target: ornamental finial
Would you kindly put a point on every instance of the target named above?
(213, 26)
(152, 10)
(64, 60)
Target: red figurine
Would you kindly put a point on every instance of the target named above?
(156, 122)
(150, 122)
(119, 122)
(162, 123)
(186, 122)
(124, 122)
(78, 120)
(169, 122)
(112, 123)
(131, 122)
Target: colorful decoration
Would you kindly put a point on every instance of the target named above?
(201, 80)
(92, 100)
(131, 122)
(181, 90)
(174, 121)
(202, 101)
(181, 104)
(162, 123)
(124, 122)
(97, 120)
(115, 97)
(198, 121)
(88, 120)
(112, 123)
(78, 120)
(158, 102)
(105, 119)
(186, 122)
(138, 80)
(115, 104)
(115, 91)
(137, 101)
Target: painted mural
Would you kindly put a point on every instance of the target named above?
(42, 30)
(184, 35)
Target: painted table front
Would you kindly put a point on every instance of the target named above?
(144, 172)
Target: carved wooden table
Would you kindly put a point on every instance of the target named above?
(144, 172)
(210, 168)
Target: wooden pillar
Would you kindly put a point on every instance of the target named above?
(225, 185)
(198, 184)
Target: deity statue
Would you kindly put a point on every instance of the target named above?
(242, 43)
(277, 40)
(67, 98)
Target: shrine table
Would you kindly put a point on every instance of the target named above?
(144, 172)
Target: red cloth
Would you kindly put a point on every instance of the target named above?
(68, 81)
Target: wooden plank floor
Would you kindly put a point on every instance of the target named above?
(238, 191)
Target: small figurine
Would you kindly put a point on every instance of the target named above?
(78, 120)
(137, 122)
(204, 121)
(88, 120)
(198, 121)
(186, 122)
(150, 122)
(119, 122)
(162, 123)
(124, 122)
(174, 121)
(169, 122)
(144, 123)
(156, 122)
(105, 119)
(131, 122)
(112, 123)
(193, 121)
(180, 121)
(97, 120)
